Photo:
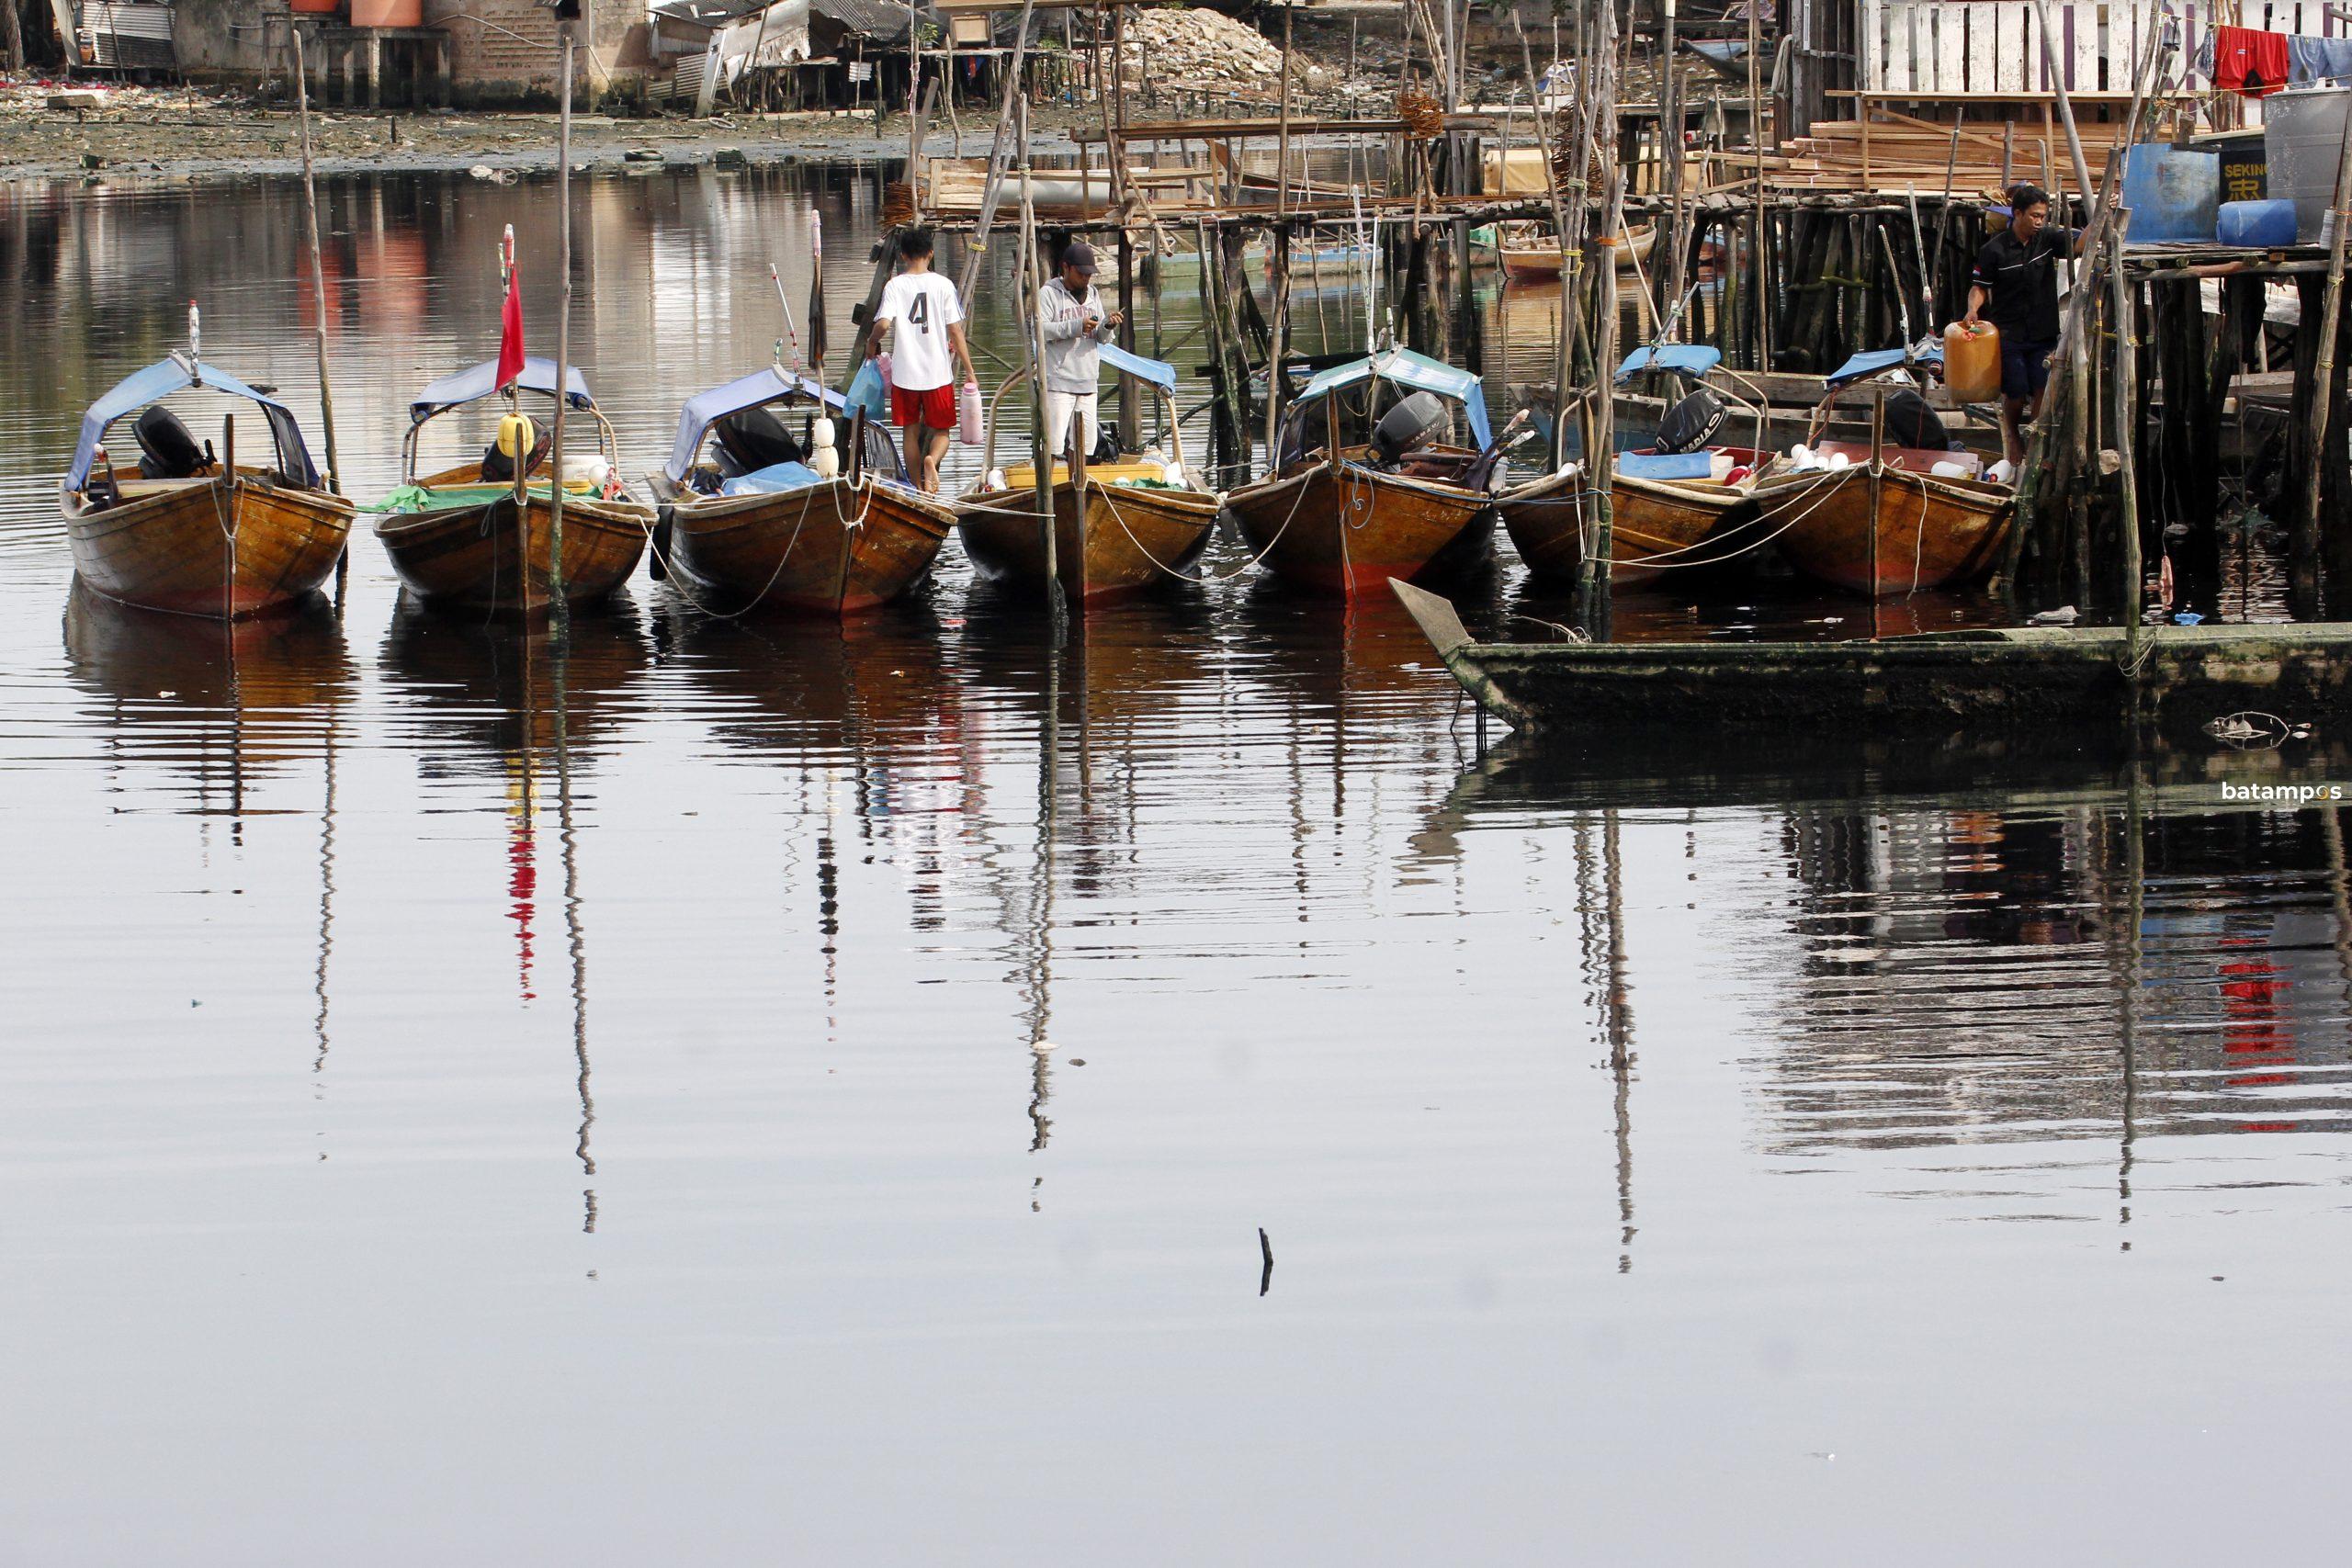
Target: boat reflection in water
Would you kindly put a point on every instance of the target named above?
(1978, 949)
(228, 702)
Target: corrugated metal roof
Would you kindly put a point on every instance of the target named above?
(880, 20)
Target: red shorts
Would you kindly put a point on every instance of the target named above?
(935, 408)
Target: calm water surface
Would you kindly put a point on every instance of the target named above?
(735, 1094)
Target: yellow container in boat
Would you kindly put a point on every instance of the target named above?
(517, 436)
(1972, 361)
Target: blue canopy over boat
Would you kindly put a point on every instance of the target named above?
(1418, 371)
(706, 409)
(1158, 372)
(1879, 361)
(168, 375)
(1690, 360)
(463, 387)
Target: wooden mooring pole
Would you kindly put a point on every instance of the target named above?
(318, 292)
(2303, 574)
(558, 606)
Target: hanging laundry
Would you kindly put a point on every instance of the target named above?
(2310, 60)
(2248, 61)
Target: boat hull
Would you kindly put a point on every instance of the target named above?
(2025, 684)
(1655, 525)
(1908, 533)
(478, 556)
(1348, 531)
(835, 549)
(1124, 541)
(209, 546)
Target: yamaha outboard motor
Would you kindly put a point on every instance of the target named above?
(1412, 423)
(1692, 423)
(1910, 421)
(167, 450)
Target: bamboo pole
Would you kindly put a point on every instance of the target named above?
(558, 607)
(318, 278)
(1278, 339)
(991, 192)
(1282, 136)
(2303, 576)
(1041, 460)
(2127, 385)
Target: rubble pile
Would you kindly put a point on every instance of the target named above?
(1194, 49)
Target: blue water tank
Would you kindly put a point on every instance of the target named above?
(2173, 193)
(2260, 225)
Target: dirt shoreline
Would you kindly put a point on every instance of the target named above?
(201, 139)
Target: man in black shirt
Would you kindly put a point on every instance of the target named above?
(2016, 288)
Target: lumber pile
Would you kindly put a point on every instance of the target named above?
(1891, 152)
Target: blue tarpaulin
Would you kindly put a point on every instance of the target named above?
(1690, 359)
(464, 386)
(168, 375)
(1665, 464)
(1407, 368)
(706, 409)
(772, 480)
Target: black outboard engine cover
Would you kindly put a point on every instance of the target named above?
(1692, 423)
(1410, 424)
(752, 439)
(1106, 443)
(1910, 421)
(167, 448)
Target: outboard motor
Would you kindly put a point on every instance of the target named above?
(752, 439)
(1412, 423)
(1910, 421)
(167, 449)
(1692, 423)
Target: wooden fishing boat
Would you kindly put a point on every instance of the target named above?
(749, 525)
(196, 532)
(1655, 524)
(1139, 523)
(1124, 538)
(478, 539)
(1887, 528)
(1343, 516)
(1546, 259)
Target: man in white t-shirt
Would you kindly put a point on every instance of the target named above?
(922, 322)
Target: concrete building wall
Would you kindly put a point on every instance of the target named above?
(514, 59)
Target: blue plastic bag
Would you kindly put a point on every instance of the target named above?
(865, 391)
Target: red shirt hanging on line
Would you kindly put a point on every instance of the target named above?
(2249, 62)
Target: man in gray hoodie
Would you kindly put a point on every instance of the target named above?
(1074, 324)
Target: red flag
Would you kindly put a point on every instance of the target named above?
(510, 320)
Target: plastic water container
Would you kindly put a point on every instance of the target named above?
(968, 415)
(2303, 134)
(2172, 192)
(1973, 361)
(2260, 224)
(586, 472)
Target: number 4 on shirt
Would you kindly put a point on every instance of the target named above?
(919, 313)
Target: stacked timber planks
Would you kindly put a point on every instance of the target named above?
(1889, 152)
